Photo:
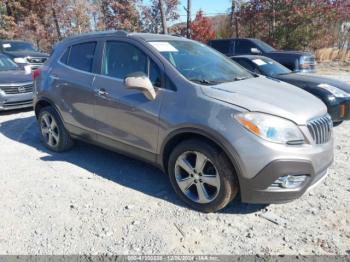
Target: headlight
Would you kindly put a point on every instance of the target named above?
(334, 90)
(271, 128)
(20, 60)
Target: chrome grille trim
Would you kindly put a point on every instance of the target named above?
(321, 129)
(36, 60)
(17, 89)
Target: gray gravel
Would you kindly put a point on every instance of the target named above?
(91, 200)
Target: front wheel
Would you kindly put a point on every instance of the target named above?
(52, 131)
(337, 123)
(202, 176)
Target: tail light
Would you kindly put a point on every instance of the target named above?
(36, 74)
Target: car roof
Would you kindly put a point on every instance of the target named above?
(251, 57)
(13, 41)
(120, 33)
(227, 39)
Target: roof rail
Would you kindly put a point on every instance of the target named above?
(98, 33)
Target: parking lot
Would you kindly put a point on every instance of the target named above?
(90, 200)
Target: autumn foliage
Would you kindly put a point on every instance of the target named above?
(201, 28)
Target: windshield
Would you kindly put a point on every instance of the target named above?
(264, 46)
(270, 67)
(17, 46)
(7, 64)
(199, 63)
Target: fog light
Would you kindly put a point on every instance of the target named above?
(289, 181)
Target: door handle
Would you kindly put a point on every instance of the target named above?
(102, 92)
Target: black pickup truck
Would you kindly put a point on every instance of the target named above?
(23, 53)
(294, 60)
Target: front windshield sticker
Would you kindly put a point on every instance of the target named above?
(259, 62)
(164, 46)
(6, 45)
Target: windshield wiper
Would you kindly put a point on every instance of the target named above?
(239, 78)
(205, 81)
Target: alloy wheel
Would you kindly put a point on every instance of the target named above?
(49, 130)
(197, 177)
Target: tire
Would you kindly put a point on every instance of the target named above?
(53, 134)
(337, 123)
(186, 168)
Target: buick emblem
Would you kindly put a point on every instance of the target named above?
(21, 89)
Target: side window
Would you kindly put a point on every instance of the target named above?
(247, 64)
(154, 74)
(222, 46)
(121, 59)
(81, 56)
(64, 58)
(244, 47)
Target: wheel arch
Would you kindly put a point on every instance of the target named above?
(182, 134)
(44, 102)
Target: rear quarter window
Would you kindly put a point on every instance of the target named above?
(80, 56)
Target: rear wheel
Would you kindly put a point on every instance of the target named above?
(52, 131)
(202, 176)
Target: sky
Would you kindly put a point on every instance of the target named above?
(209, 7)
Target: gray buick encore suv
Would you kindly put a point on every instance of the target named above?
(212, 126)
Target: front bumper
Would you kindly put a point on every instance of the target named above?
(258, 190)
(340, 111)
(15, 101)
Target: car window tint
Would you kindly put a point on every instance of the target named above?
(246, 64)
(121, 59)
(222, 45)
(64, 58)
(244, 47)
(154, 74)
(81, 56)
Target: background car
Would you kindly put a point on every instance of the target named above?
(16, 85)
(294, 60)
(331, 92)
(23, 53)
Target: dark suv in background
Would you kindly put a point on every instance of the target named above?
(294, 60)
(23, 53)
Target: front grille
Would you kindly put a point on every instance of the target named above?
(18, 89)
(36, 60)
(321, 129)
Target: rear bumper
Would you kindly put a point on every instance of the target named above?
(258, 190)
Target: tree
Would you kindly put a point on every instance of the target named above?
(201, 28)
(293, 24)
(189, 18)
(8, 27)
(151, 20)
(120, 14)
(163, 18)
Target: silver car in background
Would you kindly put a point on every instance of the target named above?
(212, 126)
(16, 85)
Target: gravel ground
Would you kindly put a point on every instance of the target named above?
(91, 200)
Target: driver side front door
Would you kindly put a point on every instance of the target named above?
(125, 118)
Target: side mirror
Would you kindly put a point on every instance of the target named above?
(255, 51)
(140, 81)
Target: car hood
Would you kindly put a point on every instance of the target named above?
(25, 54)
(313, 81)
(269, 96)
(14, 76)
